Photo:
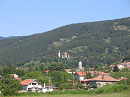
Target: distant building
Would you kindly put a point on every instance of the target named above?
(122, 65)
(101, 80)
(31, 85)
(63, 55)
(15, 76)
(80, 75)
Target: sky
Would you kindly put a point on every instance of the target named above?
(26, 17)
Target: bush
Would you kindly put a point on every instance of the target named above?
(111, 88)
(66, 86)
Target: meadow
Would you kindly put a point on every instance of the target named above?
(83, 95)
(119, 94)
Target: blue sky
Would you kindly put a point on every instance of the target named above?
(26, 17)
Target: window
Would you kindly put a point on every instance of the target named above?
(34, 83)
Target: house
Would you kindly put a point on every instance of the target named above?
(118, 66)
(126, 64)
(100, 80)
(31, 85)
(15, 76)
(95, 73)
(122, 65)
(80, 75)
(46, 71)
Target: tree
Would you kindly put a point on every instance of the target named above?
(60, 77)
(9, 86)
(56, 66)
(5, 70)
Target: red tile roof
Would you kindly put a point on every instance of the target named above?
(46, 71)
(91, 72)
(81, 73)
(98, 72)
(105, 78)
(128, 63)
(26, 82)
(128, 66)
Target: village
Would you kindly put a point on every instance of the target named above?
(57, 77)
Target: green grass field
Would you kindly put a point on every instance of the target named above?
(80, 95)
(123, 94)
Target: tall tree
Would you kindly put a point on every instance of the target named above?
(9, 86)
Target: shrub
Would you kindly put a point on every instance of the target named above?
(66, 86)
(111, 88)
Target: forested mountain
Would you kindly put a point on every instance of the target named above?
(101, 42)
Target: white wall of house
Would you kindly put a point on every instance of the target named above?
(81, 78)
(34, 86)
(101, 84)
(121, 67)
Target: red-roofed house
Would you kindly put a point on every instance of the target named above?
(80, 75)
(93, 73)
(46, 71)
(31, 85)
(101, 80)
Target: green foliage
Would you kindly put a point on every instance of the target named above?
(60, 77)
(79, 85)
(36, 75)
(66, 85)
(56, 66)
(111, 88)
(106, 89)
(122, 74)
(5, 70)
(9, 86)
